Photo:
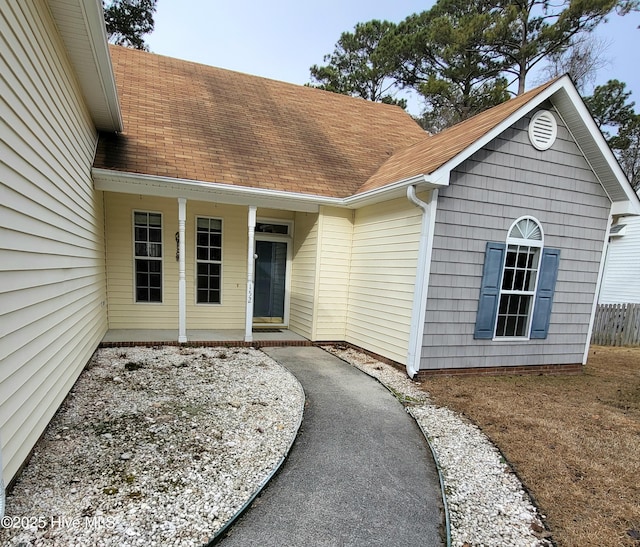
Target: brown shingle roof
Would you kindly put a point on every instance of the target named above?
(191, 121)
(428, 155)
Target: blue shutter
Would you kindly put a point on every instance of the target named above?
(489, 291)
(544, 295)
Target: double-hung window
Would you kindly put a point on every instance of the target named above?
(148, 256)
(208, 260)
(518, 282)
(519, 279)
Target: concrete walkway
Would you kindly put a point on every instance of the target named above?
(359, 474)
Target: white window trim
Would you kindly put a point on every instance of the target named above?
(288, 223)
(288, 239)
(134, 257)
(513, 241)
(195, 256)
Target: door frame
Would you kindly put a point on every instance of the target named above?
(278, 238)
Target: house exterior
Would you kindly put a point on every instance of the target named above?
(620, 281)
(144, 192)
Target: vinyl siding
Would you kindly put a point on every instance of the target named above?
(52, 283)
(303, 274)
(333, 274)
(229, 314)
(487, 193)
(125, 313)
(620, 282)
(382, 277)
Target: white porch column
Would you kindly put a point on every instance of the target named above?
(251, 223)
(182, 276)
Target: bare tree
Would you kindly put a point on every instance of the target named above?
(582, 60)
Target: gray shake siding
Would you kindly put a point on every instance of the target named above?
(505, 180)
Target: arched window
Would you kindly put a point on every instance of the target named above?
(517, 286)
(519, 278)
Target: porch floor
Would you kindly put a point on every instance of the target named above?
(129, 336)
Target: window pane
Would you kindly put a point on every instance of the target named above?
(266, 228)
(140, 218)
(522, 257)
(155, 219)
(155, 235)
(518, 283)
(507, 280)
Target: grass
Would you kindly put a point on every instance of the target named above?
(574, 441)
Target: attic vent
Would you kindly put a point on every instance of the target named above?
(543, 130)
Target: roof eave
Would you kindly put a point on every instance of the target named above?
(82, 30)
(154, 185)
(609, 172)
(395, 190)
(109, 180)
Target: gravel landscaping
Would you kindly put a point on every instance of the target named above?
(161, 446)
(487, 503)
(155, 446)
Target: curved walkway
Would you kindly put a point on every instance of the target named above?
(359, 474)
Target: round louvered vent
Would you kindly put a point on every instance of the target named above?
(543, 130)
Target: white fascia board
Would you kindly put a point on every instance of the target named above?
(82, 29)
(445, 169)
(391, 191)
(152, 185)
(633, 204)
(624, 208)
(94, 17)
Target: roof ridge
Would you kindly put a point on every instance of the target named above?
(299, 87)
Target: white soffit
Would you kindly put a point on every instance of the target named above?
(594, 147)
(81, 27)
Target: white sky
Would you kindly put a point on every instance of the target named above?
(281, 39)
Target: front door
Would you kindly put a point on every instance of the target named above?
(270, 282)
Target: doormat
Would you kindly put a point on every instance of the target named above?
(266, 329)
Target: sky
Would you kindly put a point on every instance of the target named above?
(281, 39)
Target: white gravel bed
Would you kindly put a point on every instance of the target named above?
(155, 446)
(488, 506)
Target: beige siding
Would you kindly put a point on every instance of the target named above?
(382, 277)
(52, 286)
(125, 313)
(333, 274)
(230, 313)
(303, 274)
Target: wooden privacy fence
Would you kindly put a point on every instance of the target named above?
(617, 325)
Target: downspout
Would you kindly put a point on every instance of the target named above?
(422, 277)
(251, 244)
(596, 297)
(182, 277)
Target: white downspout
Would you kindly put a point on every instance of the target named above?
(251, 244)
(182, 276)
(422, 278)
(596, 297)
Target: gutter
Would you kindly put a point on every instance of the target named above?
(423, 270)
(135, 183)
